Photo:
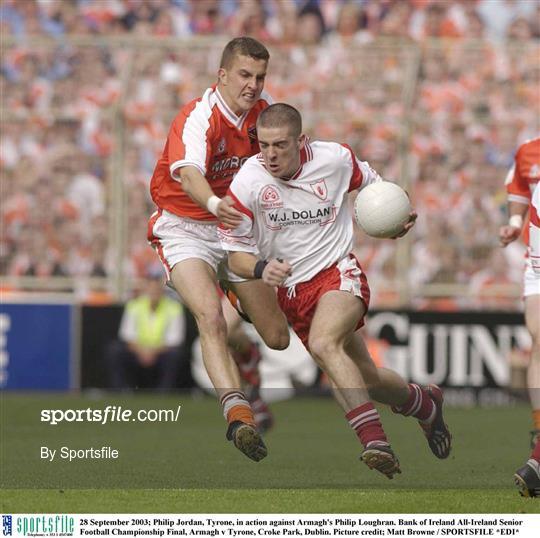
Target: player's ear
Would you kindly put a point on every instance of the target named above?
(302, 141)
(222, 75)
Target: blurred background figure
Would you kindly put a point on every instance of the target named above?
(149, 352)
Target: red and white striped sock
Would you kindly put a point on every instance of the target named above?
(248, 365)
(366, 422)
(418, 404)
(236, 407)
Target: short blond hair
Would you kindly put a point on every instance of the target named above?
(280, 114)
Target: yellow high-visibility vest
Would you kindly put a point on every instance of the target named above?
(151, 325)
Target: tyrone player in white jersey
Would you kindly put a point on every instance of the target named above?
(296, 233)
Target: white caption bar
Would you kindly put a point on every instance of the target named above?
(271, 525)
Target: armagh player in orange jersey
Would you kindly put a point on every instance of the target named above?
(520, 184)
(527, 478)
(208, 141)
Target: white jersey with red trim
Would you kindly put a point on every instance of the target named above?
(534, 231)
(304, 220)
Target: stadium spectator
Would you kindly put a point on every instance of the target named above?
(250, 20)
(309, 27)
(499, 15)
(527, 478)
(486, 287)
(520, 183)
(434, 21)
(321, 286)
(206, 17)
(149, 351)
(535, 23)
(349, 20)
(519, 30)
(396, 21)
(208, 140)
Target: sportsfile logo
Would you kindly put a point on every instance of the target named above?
(7, 525)
(58, 525)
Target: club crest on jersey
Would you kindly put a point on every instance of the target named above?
(252, 134)
(535, 171)
(269, 198)
(319, 189)
(221, 147)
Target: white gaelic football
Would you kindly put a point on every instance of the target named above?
(382, 209)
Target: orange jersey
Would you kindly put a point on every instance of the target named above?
(525, 173)
(208, 135)
(523, 176)
(534, 231)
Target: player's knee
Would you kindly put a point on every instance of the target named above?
(277, 339)
(322, 346)
(211, 321)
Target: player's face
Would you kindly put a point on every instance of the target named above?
(280, 150)
(242, 83)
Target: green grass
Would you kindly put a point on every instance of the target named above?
(312, 467)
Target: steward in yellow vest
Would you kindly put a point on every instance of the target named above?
(151, 333)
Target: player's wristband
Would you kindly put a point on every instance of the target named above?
(212, 204)
(516, 221)
(259, 268)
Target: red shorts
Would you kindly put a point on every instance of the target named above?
(300, 302)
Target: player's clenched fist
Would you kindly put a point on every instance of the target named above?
(507, 234)
(276, 271)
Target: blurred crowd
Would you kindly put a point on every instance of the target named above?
(276, 21)
(84, 122)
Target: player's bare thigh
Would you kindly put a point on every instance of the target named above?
(336, 317)
(195, 281)
(335, 321)
(259, 302)
(532, 316)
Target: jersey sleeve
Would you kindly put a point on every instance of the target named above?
(534, 231)
(361, 173)
(517, 187)
(189, 139)
(240, 239)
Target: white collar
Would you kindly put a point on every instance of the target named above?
(225, 109)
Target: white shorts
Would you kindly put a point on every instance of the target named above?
(176, 239)
(531, 281)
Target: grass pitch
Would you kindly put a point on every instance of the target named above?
(312, 467)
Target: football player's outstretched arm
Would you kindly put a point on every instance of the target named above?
(511, 231)
(199, 190)
(247, 265)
